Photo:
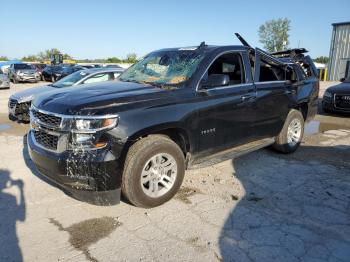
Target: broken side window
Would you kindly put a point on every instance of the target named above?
(290, 74)
(269, 72)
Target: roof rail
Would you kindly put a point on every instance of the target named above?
(270, 57)
(290, 52)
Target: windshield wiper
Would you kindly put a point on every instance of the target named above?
(163, 86)
(128, 80)
(154, 84)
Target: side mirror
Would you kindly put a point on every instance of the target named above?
(215, 80)
(342, 79)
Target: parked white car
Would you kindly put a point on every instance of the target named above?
(4, 81)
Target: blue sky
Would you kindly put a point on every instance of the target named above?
(100, 29)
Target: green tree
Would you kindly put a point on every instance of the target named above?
(113, 60)
(274, 35)
(131, 58)
(3, 58)
(30, 58)
(322, 59)
(46, 55)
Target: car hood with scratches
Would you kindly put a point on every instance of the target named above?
(31, 92)
(98, 99)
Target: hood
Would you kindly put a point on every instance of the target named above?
(34, 91)
(342, 88)
(98, 98)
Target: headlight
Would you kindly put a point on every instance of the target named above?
(327, 94)
(87, 133)
(88, 141)
(26, 99)
(85, 141)
(93, 125)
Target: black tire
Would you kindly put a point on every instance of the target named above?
(137, 157)
(281, 144)
(326, 110)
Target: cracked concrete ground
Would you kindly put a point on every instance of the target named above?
(262, 206)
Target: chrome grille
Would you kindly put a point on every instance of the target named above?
(47, 119)
(342, 101)
(47, 140)
(12, 103)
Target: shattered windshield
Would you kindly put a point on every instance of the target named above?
(164, 67)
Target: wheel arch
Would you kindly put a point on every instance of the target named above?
(179, 135)
(304, 109)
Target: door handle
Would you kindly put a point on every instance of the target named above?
(248, 98)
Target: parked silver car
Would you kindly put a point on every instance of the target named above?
(4, 81)
(19, 103)
(21, 72)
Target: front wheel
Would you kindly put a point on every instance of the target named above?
(291, 134)
(153, 171)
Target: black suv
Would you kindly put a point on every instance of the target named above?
(176, 109)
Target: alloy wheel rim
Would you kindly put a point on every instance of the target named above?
(158, 175)
(294, 132)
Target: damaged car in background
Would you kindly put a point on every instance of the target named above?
(19, 103)
(22, 72)
(176, 109)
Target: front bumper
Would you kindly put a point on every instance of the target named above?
(27, 78)
(93, 177)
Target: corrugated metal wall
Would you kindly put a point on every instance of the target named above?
(340, 52)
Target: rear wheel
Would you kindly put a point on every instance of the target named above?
(153, 172)
(291, 134)
(326, 110)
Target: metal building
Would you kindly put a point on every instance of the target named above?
(339, 55)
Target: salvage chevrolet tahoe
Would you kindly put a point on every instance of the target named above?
(175, 109)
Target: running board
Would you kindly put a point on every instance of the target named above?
(230, 153)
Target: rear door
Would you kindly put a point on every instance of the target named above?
(273, 95)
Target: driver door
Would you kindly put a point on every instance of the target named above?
(229, 112)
